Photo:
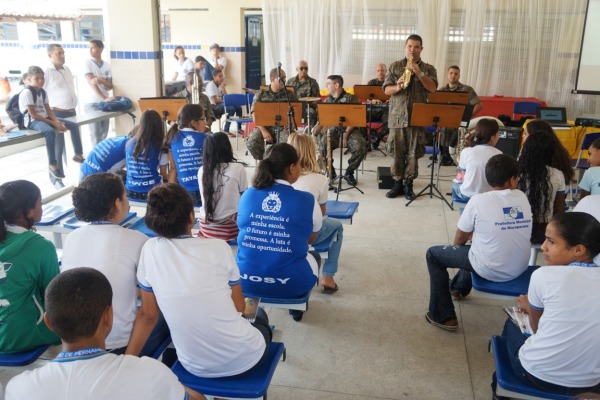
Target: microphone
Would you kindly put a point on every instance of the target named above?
(279, 70)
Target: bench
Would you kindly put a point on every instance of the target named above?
(342, 210)
(504, 290)
(22, 358)
(510, 384)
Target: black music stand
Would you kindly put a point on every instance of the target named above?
(167, 107)
(370, 93)
(270, 114)
(446, 115)
(342, 116)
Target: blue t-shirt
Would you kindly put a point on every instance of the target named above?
(591, 180)
(104, 156)
(186, 149)
(141, 175)
(275, 225)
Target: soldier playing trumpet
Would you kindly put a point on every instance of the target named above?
(406, 90)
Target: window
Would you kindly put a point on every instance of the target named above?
(165, 28)
(89, 27)
(49, 31)
(8, 31)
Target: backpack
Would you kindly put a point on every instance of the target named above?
(12, 107)
(120, 103)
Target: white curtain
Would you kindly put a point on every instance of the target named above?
(524, 48)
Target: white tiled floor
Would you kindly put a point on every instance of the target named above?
(369, 340)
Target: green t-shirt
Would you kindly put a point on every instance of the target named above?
(28, 263)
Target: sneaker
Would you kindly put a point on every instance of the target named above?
(456, 295)
(447, 161)
(78, 158)
(56, 172)
(58, 185)
(448, 325)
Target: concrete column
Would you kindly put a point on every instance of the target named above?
(132, 35)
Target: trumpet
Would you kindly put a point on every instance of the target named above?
(407, 73)
(195, 90)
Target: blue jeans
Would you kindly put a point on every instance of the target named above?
(73, 129)
(220, 109)
(55, 144)
(331, 227)
(456, 193)
(439, 259)
(98, 130)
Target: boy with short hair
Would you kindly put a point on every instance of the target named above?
(499, 224)
(79, 310)
(33, 104)
(590, 183)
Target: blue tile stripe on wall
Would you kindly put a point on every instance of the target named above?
(136, 55)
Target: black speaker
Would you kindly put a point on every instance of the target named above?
(510, 139)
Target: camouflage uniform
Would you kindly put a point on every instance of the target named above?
(473, 100)
(306, 88)
(356, 142)
(256, 142)
(204, 103)
(408, 141)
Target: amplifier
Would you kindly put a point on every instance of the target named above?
(588, 120)
(384, 178)
(510, 140)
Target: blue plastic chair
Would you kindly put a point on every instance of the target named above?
(288, 303)
(53, 213)
(22, 358)
(140, 226)
(74, 223)
(342, 210)
(250, 98)
(237, 100)
(514, 288)
(248, 386)
(510, 384)
(524, 108)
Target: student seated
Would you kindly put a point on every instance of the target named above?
(144, 156)
(28, 263)
(277, 223)
(543, 185)
(196, 284)
(185, 140)
(222, 181)
(115, 251)
(561, 159)
(562, 302)
(471, 179)
(590, 183)
(498, 223)
(106, 156)
(79, 310)
(33, 104)
(311, 181)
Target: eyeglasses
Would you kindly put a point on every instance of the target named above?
(303, 68)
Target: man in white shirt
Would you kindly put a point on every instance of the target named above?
(216, 60)
(499, 223)
(78, 308)
(215, 90)
(99, 77)
(60, 88)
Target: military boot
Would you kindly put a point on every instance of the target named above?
(349, 177)
(446, 160)
(408, 190)
(396, 190)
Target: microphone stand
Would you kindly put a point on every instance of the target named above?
(291, 121)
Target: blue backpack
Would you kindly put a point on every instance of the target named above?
(120, 103)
